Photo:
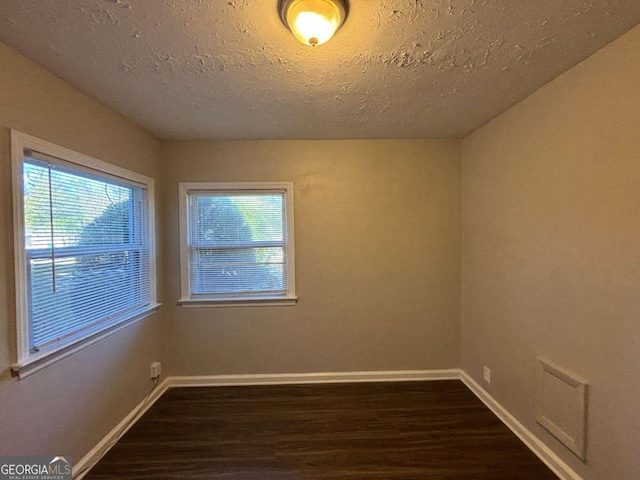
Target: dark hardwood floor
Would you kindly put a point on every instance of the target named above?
(408, 430)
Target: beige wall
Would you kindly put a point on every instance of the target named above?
(69, 406)
(377, 237)
(551, 259)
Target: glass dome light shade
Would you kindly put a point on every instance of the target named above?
(313, 22)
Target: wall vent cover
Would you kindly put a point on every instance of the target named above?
(561, 407)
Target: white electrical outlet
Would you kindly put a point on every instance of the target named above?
(156, 369)
(486, 374)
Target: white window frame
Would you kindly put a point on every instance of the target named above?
(28, 362)
(187, 300)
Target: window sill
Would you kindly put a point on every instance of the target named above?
(238, 302)
(29, 367)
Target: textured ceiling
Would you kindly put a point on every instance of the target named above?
(213, 69)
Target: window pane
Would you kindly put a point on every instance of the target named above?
(85, 210)
(254, 270)
(234, 219)
(89, 290)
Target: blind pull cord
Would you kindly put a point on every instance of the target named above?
(53, 248)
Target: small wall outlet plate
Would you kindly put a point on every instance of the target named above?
(486, 374)
(156, 369)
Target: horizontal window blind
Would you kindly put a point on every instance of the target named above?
(87, 250)
(237, 243)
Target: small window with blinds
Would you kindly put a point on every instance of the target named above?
(86, 249)
(237, 244)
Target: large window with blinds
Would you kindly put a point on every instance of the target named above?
(85, 247)
(237, 244)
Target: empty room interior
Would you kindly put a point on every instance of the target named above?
(320, 239)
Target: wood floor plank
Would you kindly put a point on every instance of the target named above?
(404, 430)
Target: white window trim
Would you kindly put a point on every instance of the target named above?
(27, 363)
(186, 300)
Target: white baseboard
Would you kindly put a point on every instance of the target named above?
(320, 377)
(560, 468)
(544, 453)
(90, 459)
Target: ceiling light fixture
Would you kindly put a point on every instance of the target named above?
(313, 22)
